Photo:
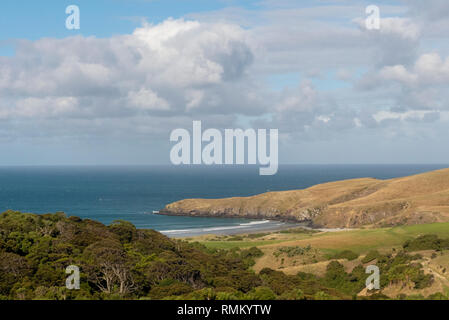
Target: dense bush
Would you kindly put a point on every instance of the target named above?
(293, 251)
(426, 242)
(122, 262)
(371, 255)
(116, 261)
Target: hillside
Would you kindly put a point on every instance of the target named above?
(422, 198)
(299, 250)
(116, 262)
(121, 262)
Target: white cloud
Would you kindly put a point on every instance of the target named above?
(153, 69)
(402, 27)
(194, 98)
(429, 69)
(146, 99)
(303, 99)
(422, 85)
(213, 68)
(409, 115)
(398, 73)
(32, 108)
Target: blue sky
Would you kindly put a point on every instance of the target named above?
(100, 18)
(103, 18)
(111, 92)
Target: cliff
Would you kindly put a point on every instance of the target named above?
(422, 198)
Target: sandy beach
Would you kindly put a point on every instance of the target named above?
(244, 228)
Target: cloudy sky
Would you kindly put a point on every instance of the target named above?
(111, 92)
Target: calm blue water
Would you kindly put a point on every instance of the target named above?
(132, 193)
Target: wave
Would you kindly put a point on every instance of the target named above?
(221, 228)
(256, 222)
(176, 231)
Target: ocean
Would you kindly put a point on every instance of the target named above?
(132, 193)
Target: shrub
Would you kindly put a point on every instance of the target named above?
(261, 293)
(292, 251)
(294, 294)
(346, 254)
(370, 256)
(426, 242)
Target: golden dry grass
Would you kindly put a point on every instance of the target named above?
(417, 199)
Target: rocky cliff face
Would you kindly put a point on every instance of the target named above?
(353, 203)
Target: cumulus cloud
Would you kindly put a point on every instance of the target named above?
(306, 113)
(429, 69)
(432, 69)
(396, 41)
(214, 67)
(423, 85)
(398, 73)
(401, 27)
(158, 68)
(146, 99)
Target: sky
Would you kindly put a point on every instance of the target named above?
(111, 92)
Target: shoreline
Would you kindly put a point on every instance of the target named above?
(257, 226)
(197, 214)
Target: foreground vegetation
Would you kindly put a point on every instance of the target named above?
(122, 262)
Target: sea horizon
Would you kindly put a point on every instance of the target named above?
(133, 192)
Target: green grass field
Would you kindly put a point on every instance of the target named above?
(237, 244)
(359, 241)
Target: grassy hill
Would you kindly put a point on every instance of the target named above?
(418, 199)
(302, 251)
